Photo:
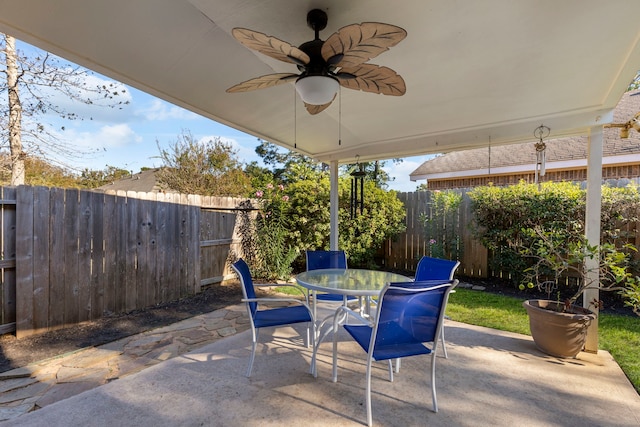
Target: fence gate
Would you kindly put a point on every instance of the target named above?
(7, 260)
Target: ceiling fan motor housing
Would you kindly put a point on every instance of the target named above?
(317, 66)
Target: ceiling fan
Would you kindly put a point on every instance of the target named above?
(325, 65)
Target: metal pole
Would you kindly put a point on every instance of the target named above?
(333, 205)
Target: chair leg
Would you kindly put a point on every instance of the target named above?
(444, 347)
(335, 350)
(368, 397)
(433, 382)
(253, 351)
(313, 368)
(314, 308)
(391, 370)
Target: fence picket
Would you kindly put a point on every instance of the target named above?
(131, 259)
(9, 258)
(24, 260)
(85, 228)
(41, 256)
(97, 273)
(57, 257)
(71, 262)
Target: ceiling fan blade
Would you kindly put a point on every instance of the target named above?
(360, 42)
(315, 109)
(373, 78)
(262, 82)
(270, 46)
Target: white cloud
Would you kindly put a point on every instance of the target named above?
(160, 110)
(110, 136)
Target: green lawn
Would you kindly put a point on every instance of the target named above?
(619, 335)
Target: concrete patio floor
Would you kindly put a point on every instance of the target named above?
(491, 378)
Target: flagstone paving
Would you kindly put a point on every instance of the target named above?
(45, 382)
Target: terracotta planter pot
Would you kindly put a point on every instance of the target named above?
(556, 333)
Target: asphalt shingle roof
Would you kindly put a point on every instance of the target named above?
(143, 181)
(560, 149)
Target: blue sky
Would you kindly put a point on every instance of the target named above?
(128, 138)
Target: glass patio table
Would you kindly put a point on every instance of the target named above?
(348, 282)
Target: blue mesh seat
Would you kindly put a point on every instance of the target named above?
(409, 316)
(436, 269)
(299, 312)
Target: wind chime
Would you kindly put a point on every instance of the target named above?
(541, 132)
(357, 189)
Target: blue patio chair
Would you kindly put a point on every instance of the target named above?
(409, 315)
(299, 313)
(436, 269)
(321, 259)
(317, 260)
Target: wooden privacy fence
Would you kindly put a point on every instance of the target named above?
(82, 254)
(404, 251)
(69, 255)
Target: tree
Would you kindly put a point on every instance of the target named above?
(259, 176)
(38, 171)
(363, 235)
(31, 85)
(282, 161)
(373, 171)
(207, 168)
(96, 178)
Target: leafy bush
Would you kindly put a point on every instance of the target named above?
(287, 228)
(504, 216)
(209, 168)
(554, 258)
(309, 212)
(382, 217)
(274, 253)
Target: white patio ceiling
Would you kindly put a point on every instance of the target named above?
(476, 71)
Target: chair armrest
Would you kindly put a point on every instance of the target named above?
(344, 310)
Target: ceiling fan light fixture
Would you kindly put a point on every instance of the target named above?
(317, 90)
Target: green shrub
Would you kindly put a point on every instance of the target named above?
(363, 235)
(286, 229)
(274, 253)
(503, 217)
(309, 212)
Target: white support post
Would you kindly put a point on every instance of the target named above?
(592, 229)
(333, 205)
